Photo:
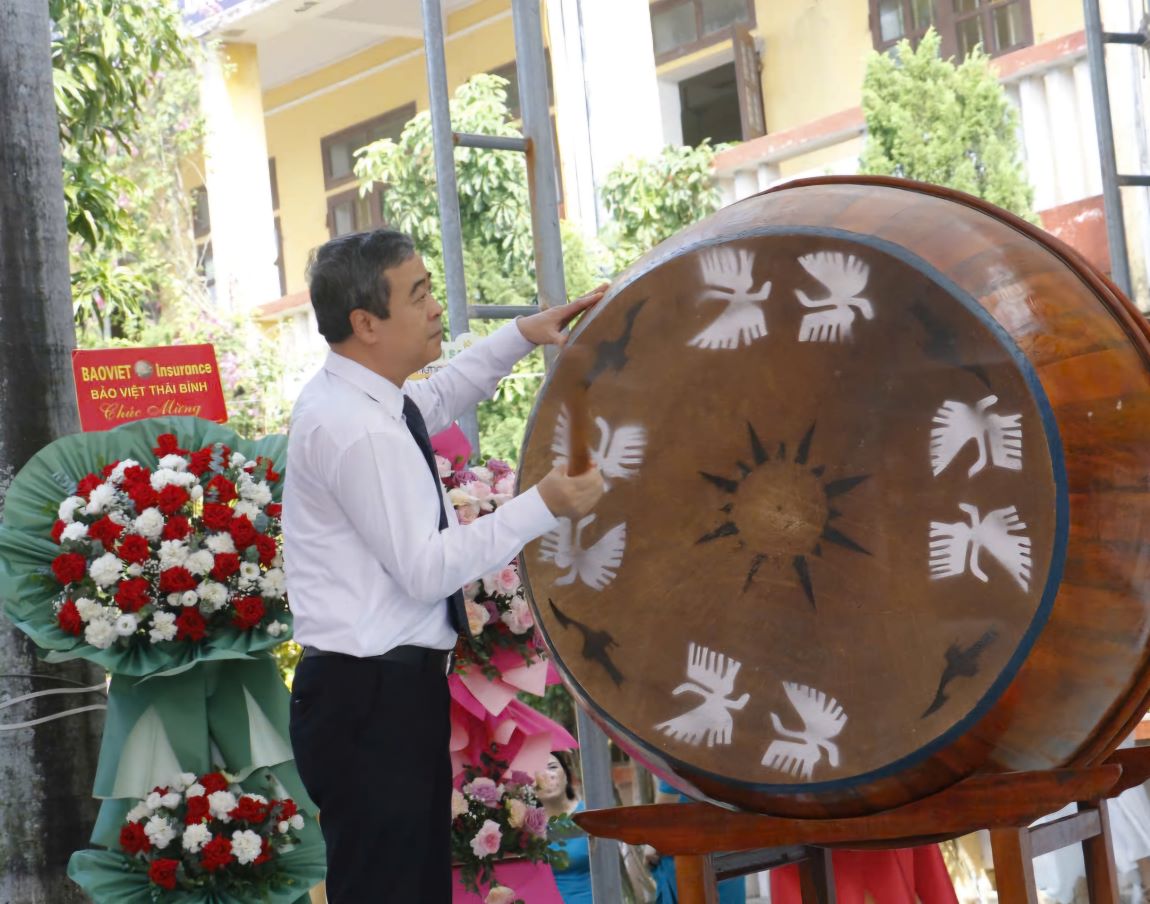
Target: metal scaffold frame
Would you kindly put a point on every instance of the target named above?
(538, 146)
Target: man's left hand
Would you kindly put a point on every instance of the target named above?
(547, 327)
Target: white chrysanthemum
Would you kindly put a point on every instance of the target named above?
(134, 570)
(200, 562)
(117, 475)
(255, 491)
(149, 524)
(272, 583)
(165, 476)
(160, 831)
(275, 628)
(249, 510)
(173, 554)
(174, 600)
(163, 627)
(195, 837)
(296, 822)
(221, 803)
(138, 812)
(126, 625)
(237, 460)
(219, 543)
(173, 463)
(88, 609)
(215, 595)
(105, 570)
(171, 800)
(195, 789)
(249, 573)
(246, 845)
(155, 800)
(100, 498)
(74, 531)
(189, 598)
(196, 492)
(67, 510)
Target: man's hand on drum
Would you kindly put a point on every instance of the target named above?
(571, 497)
(548, 327)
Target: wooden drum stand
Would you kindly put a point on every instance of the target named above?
(1005, 804)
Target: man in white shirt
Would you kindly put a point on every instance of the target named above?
(375, 560)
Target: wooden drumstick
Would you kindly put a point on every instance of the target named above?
(579, 437)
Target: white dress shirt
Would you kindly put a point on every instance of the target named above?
(367, 566)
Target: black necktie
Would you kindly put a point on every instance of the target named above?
(456, 611)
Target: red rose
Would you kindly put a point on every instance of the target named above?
(216, 854)
(265, 852)
(163, 872)
(172, 498)
(137, 474)
(266, 547)
(108, 469)
(69, 618)
(133, 549)
(190, 625)
(226, 564)
(106, 531)
(198, 810)
(242, 532)
(200, 461)
(249, 611)
(166, 444)
(143, 496)
(57, 530)
(132, 594)
(249, 810)
(288, 809)
(177, 580)
(69, 567)
(222, 489)
(133, 839)
(217, 517)
(89, 483)
(213, 782)
(176, 528)
(274, 509)
(273, 476)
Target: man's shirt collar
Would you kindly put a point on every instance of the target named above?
(367, 381)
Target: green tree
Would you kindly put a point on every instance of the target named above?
(125, 90)
(930, 120)
(650, 199)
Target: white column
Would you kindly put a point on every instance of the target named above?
(1038, 139)
(1088, 129)
(236, 174)
(1061, 101)
(671, 111)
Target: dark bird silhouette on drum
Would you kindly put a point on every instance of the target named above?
(596, 644)
(960, 663)
(941, 344)
(612, 353)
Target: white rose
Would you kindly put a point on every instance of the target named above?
(189, 598)
(126, 625)
(163, 627)
(476, 616)
(483, 474)
(215, 595)
(138, 812)
(195, 837)
(248, 510)
(200, 562)
(67, 510)
(282, 827)
(195, 789)
(155, 800)
(196, 492)
(458, 803)
(149, 524)
(237, 460)
(100, 633)
(223, 542)
(260, 494)
(106, 569)
(246, 845)
(183, 780)
(272, 583)
(296, 822)
(162, 477)
(221, 803)
(88, 609)
(74, 531)
(173, 554)
(100, 498)
(249, 573)
(171, 800)
(173, 463)
(159, 831)
(174, 600)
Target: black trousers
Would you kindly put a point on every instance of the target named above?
(371, 744)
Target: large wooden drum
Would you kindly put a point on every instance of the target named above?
(878, 457)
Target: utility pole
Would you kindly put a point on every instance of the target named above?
(46, 771)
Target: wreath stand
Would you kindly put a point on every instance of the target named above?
(1005, 804)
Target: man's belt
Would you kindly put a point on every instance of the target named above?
(421, 657)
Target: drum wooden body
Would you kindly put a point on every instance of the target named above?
(878, 458)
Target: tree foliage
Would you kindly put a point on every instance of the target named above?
(650, 199)
(933, 121)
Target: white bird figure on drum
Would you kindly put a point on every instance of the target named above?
(843, 277)
(727, 276)
(712, 676)
(823, 719)
(618, 454)
(952, 545)
(959, 423)
(595, 566)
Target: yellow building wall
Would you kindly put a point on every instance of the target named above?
(300, 114)
(1054, 18)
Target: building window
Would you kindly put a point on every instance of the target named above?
(682, 26)
(709, 105)
(348, 212)
(339, 149)
(1000, 26)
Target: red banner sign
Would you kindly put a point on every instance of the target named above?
(115, 385)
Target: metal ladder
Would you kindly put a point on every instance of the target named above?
(1112, 181)
(538, 146)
